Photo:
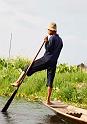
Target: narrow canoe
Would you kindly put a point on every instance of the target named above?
(69, 112)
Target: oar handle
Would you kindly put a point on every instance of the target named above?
(35, 57)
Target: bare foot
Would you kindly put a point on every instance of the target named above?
(16, 84)
(49, 103)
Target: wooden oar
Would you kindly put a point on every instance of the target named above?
(22, 78)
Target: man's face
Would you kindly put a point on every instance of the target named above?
(50, 32)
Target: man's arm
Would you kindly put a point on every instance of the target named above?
(49, 44)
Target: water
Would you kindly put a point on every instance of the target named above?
(23, 112)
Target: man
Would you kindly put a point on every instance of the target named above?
(53, 46)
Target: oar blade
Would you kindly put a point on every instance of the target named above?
(9, 101)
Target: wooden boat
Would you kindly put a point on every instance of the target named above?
(68, 112)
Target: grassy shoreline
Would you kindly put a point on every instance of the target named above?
(70, 84)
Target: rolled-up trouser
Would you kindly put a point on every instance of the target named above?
(40, 65)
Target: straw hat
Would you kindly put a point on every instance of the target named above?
(52, 26)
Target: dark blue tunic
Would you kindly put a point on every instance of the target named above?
(53, 48)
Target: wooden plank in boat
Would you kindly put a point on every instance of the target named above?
(68, 112)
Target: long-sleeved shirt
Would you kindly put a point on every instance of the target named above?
(53, 48)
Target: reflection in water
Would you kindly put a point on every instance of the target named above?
(47, 119)
(7, 118)
(53, 119)
(22, 112)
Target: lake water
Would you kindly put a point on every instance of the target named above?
(23, 112)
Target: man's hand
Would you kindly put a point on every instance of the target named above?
(46, 39)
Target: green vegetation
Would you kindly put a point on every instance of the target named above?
(70, 84)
